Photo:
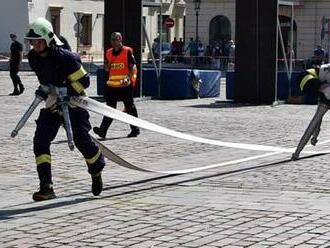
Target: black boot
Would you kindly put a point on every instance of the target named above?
(14, 93)
(97, 184)
(135, 132)
(99, 132)
(21, 89)
(46, 192)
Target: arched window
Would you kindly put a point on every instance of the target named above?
(220, 29)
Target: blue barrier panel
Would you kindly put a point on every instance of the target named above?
(210, 86)
(150, 84)
(282, 87)
(177, 83)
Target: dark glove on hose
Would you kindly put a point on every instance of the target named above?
(41, 93)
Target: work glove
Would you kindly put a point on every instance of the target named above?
(40, 92)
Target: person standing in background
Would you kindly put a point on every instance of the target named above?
(16, 54)
(120, 86)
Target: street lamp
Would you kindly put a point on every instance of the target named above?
(197, 8)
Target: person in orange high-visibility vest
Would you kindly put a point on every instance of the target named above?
(122, 79)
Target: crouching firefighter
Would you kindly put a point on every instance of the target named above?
(57, 67)
(315, 81)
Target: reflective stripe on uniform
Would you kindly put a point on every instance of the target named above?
(93, 159)
(117, 77)
(117, 84)
(304, 81)
(313, 72)
(116, 81)
(77, 86)
(43, 158)
(77, 74)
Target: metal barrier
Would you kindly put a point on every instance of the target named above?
(223, 63)
(92, 61)
(91, 57)
(297, 64)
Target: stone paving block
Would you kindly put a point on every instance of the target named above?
(165, 238)
(205, 240)
(300, 239)
(324, 246)
(317, 241)
(306, 246)
(66, 246)
(223, 242)
(186, 238)
(244, 243)
(147, 244)
(50, 245)
(168, 245)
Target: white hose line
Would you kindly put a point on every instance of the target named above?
(102, 109)
(121, 162)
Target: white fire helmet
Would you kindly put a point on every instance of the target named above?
(324, 73)
(42, 29)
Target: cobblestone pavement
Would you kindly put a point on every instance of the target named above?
(268, 202)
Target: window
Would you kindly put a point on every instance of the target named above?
(220, 30)
(55, 19)
(86, 30)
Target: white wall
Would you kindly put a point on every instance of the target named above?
(13, 18)
(39, 8)
(68, 20)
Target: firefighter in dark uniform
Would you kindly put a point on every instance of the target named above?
(316, 81)
(55, 66)
(122, 78)
(16, 50)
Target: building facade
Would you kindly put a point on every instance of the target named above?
(80, 22)
(14, 18)
(155, 15)
(63, 14)
(217, 23)
(86, 35)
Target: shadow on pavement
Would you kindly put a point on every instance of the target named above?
(8, 214)
(105, 139)
(223, 104)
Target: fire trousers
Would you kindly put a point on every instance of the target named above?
(48, 124)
